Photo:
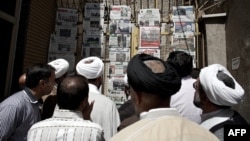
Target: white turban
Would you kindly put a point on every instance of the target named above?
(61, 66)
(90, 67)
(216, 91)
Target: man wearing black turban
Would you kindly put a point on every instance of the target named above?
(151, 85)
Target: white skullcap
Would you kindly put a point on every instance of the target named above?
(61, 66)
(90, 67)
(216, 91)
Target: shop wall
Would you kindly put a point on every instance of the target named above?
(238, 48)
(40, 25)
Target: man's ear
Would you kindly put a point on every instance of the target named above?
(204, 98)
(42, 82)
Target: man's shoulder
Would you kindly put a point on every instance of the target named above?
(79, 127)
(167, 127)
(15, 99)
(66, 123)
(100, 97)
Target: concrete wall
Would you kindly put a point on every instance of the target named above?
(238, 45)
(216, 39)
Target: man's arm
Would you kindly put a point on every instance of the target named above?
(7, 121)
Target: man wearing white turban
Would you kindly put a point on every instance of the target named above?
(61, 67)
(216, 91)
(104, 111)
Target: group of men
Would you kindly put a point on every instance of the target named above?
(167, 102)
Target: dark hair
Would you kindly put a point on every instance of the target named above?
(182, 62)
(195, 73)
(36, 73)
(72, 91)
(226, 79)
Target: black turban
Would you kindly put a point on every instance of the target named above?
(143, 79)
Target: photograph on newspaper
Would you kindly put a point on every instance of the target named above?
(149, 37)
(66, 32)
(93, 26)
(94, 10)
(185, 44)
(118, 68)
(92, 51)
(62, 45)
(119, 97)
(119, 27)
(184, 29)
(183, 14)
(149, 17)
(120, 12)
(116, 89)
(153, 52)
(93, 40)
(119, 54)
(119, 41)
(66, 16)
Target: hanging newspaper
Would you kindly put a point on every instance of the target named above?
(149, 17)
(149, 37)
(119, 40)
(93, 26)
(66, 32)
(93, 40)
(94, 10)
(120, 12)
(119, 27)
(153, 52)
(118, 68)
(93, 18)
(61, 44)
(66, 16)
(184, 30)
(116, 89)
(69, 57)
(184, 44)
(183, 14)
(119, 54)
(92, 51)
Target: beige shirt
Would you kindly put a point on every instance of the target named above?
(164, 125)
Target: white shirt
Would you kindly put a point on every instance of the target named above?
(104, 112)
(163, 124)
(183, 100)
(65, 125)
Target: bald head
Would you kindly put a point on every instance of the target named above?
(21, 81)
(155, 65)
(72, 91)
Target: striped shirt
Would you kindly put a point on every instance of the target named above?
(17, 114)
(65, 125)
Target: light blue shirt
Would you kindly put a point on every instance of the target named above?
(17, 114)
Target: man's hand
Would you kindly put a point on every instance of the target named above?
(87, 110)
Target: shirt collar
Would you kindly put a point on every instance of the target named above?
(62, 113)
(93, 87)
(31, 97)
(159, 112)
